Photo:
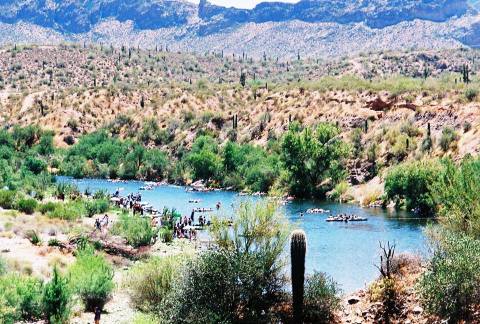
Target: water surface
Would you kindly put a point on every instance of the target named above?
(345, 251)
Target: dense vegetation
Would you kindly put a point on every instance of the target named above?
(27, 298)
(244, 274)
(299, 162)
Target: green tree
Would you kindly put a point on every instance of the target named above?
(456, 193)
(313, 159)
(91, 277)
(56, 299)
(411, 183)
(204, 159)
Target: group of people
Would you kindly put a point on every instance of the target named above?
(131, 202)
(185, 229)
(345, 218)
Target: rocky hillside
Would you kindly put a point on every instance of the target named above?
(312, 27)
(399, 95)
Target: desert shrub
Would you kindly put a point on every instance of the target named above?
(46, 207)
(7, 199)
(411, 182)
(27, 205)
(91, 278)
(356, 139)
(456, 193)
(56, 299)
(451, 284)
(54, 242)
(427, 144)
(20, 298)
(166, 235)
(101, 194)
(136, 230)
(403, 145)
(244, 290)
(96, 206)
(33, 237)
(149, 282)
(320, 299)
(409, 129)
(471, 94)
(448, 138)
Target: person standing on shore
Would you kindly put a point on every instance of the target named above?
(98, 313)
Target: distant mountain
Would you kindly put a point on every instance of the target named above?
(183, 25)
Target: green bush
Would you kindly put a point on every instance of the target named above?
(96, 206)
(91, 277)
(166, 235)
(471, 94)
(20, 298)
(149, 282)
(411, 182)
(47, 207)
(53, 242)
(34, 165)
(242, 288)
(27, 205)
(56, 299)
(33, 237)
(7, 199)
(451, 284)
(136, 230)
(321, 299)
(448, 139)
(456, 193)
(67, 211)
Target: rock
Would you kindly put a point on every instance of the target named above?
(417, 310)
(353, 300)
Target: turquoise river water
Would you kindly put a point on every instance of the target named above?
(347, 252)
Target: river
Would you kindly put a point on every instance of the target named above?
(347, 252)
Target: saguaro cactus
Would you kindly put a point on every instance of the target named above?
(298, 249)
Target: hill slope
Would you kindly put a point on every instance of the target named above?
(313, 27)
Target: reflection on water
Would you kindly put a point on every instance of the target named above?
(345, 251)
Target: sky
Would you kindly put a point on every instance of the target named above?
(242, 3)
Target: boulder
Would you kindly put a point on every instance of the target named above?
(353, 300)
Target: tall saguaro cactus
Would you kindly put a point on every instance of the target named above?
(298, 249)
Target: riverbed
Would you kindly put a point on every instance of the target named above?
(347, 252)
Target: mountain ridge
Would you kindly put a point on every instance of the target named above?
(281, 29)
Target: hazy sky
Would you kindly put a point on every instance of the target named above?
(242, 3)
